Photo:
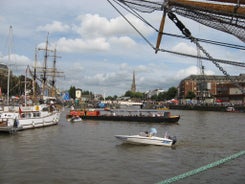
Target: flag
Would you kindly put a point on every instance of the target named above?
(20, 111)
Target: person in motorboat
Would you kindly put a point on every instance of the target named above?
(150, 133)
(145, 133)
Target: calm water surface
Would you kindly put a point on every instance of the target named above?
(88, 153)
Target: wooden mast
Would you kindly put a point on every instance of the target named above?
(221, 9)
(159, 37)
(226, 9)
(230, 1)
(34, 76)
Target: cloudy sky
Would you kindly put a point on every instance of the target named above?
(99, 50)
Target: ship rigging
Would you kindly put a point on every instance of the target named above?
(45, 71)
(224, 15)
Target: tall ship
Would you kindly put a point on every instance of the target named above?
(40, 111)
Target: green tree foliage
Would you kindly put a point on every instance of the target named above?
(16, 85)
(111, 98)
(162, 96)
(190, 95)
(171, 93)
(128, 94)
(136, 95)
(72, 92)
(168, 95)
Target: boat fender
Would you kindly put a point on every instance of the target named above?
(37, 108)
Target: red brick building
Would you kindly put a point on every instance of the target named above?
(214, 88)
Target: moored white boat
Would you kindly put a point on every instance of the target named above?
(28, 117)
(76, 119)
(147, 139)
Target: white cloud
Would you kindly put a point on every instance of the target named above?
(192, 70)
(80, 45)
(55, 26)
(15, 59)
(95, 25)
(123, 42)
(185, 48)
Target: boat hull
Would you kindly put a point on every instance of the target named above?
(153, 140)
(13, 121)
(156, 119)
(49, 120)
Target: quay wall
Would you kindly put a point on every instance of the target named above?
(206, 108)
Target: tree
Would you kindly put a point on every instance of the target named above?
(190, 95)
(72, 92)
(129, 94)
(154, 97)
(171, 93)
(136, 95)
(17, 85)
(162, 96)
(111, 98)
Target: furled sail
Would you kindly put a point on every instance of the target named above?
(224, 15)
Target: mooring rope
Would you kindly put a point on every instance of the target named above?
(201, 169)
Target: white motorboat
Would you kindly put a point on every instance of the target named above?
(147, 139)
(76, 119)
(28, 117)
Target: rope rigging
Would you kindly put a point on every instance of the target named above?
(224, 15)
(133, 12)
(152, 5)
(187, 33)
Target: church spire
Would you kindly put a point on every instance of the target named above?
(133, 86)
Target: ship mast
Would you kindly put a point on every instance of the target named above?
(10, 46)
(54, 73)
(34, 75)
(46, 72)
(44, 69)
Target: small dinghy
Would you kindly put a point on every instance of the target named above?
(76, 119)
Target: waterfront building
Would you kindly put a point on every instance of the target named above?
(212, 88)
(154, 92)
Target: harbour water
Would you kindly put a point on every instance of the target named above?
(88, 153)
